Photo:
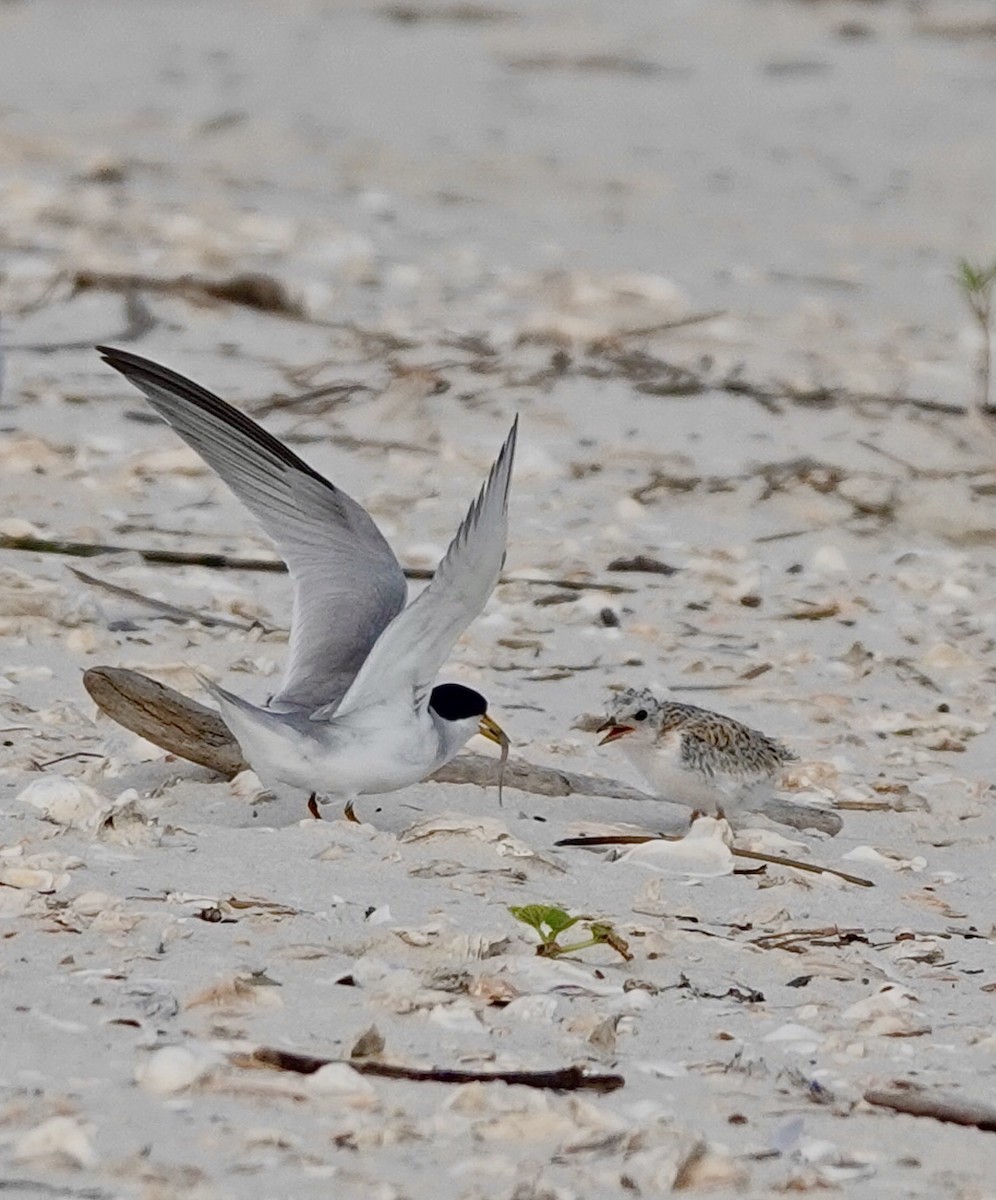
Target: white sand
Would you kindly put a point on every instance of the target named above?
(497, 195)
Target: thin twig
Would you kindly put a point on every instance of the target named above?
(784, 536)
(335, 393)
(639, 839)
(66, 757)
(736, 385)
(171, 612)
(564, 1079)
(189, 558)
(925, 472)
(815, 868)
(148, 555)
(701, 318)
(792, 940)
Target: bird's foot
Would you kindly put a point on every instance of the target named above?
(313, 806)
(349, 814)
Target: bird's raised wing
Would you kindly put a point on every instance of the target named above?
(347, 582)
(410, 651)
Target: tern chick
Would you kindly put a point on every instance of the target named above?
(691, 756)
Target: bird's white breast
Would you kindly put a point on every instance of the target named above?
(335, 759)
(660, 764)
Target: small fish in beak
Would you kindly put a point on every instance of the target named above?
(494, 733)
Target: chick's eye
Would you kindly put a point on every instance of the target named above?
(640, 715)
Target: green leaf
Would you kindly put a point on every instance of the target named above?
(547, 919)
(557, 920)
(975, 279)
(534, 915)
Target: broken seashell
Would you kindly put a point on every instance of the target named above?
(59, 1139)
(89, 904)
(170, 1069)
(33, 880)
(339, 1079)
(891, 860)
(77, 806)
(799, 1039)
(702, 853)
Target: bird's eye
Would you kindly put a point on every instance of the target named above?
(640, 715)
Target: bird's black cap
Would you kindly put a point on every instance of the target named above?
(454, 702)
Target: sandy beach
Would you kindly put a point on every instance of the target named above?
(707, 252)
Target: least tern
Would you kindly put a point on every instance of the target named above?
(708, 762)
(357, 711)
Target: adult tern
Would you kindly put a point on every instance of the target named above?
(357, 711)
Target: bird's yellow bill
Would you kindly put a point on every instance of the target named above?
(613, 732)
(494, 733)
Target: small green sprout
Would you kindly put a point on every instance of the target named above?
(976, 284)
(550, 922)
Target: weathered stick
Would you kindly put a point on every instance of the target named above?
(813, 868)
(191, 558)
(919, 1102)
(152, 556)
(564, 1079)
(171, 612)
(180, 725)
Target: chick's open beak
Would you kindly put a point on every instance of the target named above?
(613, 732)
(493, 731)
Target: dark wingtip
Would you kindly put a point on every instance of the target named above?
(119, 359)
(507, 452)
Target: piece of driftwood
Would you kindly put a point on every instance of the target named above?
(942, 1106)
(165, 717)
(180, 725)
(562, 1079)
